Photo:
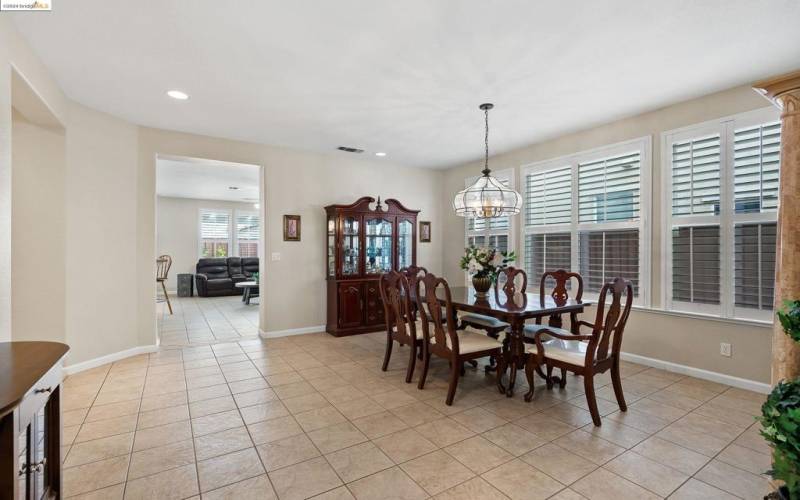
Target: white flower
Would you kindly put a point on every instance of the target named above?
(474, 266)
(497, 260)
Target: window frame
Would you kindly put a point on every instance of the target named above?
(235, 231)
(642, 145)
(727, 218)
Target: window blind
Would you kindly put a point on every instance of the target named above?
(754, 265)
(215, 225)
(605, 255)
(549, 197)
(608, 189)
(696, 264)
(695, 176)
(247, 233)
(547, 252)
(756, 168)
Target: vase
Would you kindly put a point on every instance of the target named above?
(482, 285)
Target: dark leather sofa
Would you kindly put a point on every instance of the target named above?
(218, 276)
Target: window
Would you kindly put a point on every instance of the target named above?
(215, 233)
(247, 234)
(587, 213)
(494, 232)
(720, 223)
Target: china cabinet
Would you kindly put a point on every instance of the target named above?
(364, 240)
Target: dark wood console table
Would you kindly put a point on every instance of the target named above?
(30, 419)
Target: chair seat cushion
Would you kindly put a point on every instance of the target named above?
(473, 341)
(418, 330)
(530, 330)
(568, 351)
(487, 321)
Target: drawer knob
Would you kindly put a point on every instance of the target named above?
(40, 391)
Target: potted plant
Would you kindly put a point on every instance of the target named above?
(780, 418)
(484, 264)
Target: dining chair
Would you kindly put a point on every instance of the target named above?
(514, 281)
(400, 322)
(588, 354)
(163, 263)
(414, 274)
(441, 338)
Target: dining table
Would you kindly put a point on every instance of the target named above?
(514, 309)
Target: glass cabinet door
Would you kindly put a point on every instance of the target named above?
(405, 243)
(378, 245)
(331, 246)
(350, 245)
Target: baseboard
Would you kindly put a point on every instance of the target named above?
(292, 331)
(741, 383)
(109, 358)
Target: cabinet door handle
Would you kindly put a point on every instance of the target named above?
(46, 389)
(39, 466)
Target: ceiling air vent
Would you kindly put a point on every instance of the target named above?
(349, 149)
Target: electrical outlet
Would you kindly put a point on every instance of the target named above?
(725, 349)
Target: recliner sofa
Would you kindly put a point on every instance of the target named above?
(215, 277)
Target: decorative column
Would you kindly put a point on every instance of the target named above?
(784, 92)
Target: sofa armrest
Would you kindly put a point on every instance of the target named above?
(201, 282)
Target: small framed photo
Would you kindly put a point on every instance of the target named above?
(424, 231)
(291, 228)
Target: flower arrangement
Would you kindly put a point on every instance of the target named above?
(485, 262)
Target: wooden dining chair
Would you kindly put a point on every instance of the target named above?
(514, 281)
(163, 263)
(441, 338)
(588, 354)
(413, 274)
(400, 324)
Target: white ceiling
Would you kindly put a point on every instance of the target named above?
(405, 77)
(206, 179)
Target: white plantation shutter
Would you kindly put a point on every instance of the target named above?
(550, 193)
(756, 168)
(215, 225)
(696, 264)
(547, 252)
(754, 256)
(247, 234)
(695, 176)
(605, 255)
(608, 189)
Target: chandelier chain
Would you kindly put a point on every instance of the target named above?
(486, 143)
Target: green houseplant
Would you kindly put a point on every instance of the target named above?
(484, 264)
(780, 418)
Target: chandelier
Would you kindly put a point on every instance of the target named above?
(487, 197)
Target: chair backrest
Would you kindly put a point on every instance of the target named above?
(562, 278)
(609, 325)
(163, 263)
(435, 328)
(514, 280)
(413, 275)
(395, 294)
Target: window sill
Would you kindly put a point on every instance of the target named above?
(708, 317)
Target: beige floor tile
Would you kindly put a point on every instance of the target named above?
(304, 480)
(99, 449)
(264, 411)
(672, 455)
(251, 398)
(248, 385)
(300, 404)
(358, 461)
(745, 458)
(545, 427)
(520, 481)
(210, 406)
(153, 460)
(342, 393)
(216, 422)
(161, 435)
(340, 493)
(337, 436)
(569, 414)
(617, 433)
(105, 428)
(475, 489)
(478, 419)
(589, 446)
(558, 463)
(514, 439)
(358, 408)
(405, 445)
(510, 408)
(379, 424)
(163, 400)
(288, 377)
(273, 430)
(294, 390)
(221, 443)
(698, 490)
(605, 485)
(214, 391)
(444, 431)
(256, 488)
(287, 451)
(173, 484)
(736, 481)
(479, 454)
(638, 420)
(393, 399)
(228, 469)
(416, 414)
(111, 411)
(437, 472)
(647, 473)
(95, 475)
(392, 483)
(318, 418)
(703, 443)
(162, 416)
(567, 494)
(115, 492)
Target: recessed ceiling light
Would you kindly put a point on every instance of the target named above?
(233, 188)
(380, 153)
(177, 94)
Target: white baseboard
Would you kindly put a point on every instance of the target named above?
(741, 383)
(292, 331)
(109, 358)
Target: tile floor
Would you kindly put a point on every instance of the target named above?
(203, 320)
(313, 416)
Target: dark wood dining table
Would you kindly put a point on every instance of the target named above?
(515, 310)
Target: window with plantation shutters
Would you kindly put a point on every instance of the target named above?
(215, 233)
(247, 234)
(720, 241)
(587, 213)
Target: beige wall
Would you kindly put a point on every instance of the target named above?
(178, 231)
(687, 341)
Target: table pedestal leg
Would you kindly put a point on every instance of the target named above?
(517, 354)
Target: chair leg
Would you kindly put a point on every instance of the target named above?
(454, 373)
(549, 378)
(563, 381)
(588, 386)
(412, 361)
(529, 366)
(426, 361)
(501, 369)
(388, 354)
(615, 379)
(166, 296)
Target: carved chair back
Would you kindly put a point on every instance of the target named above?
(435, 329)
(413, 274)
(562, 279)
(395, 294)
(610, 324)
(163, 263)
(514, 280)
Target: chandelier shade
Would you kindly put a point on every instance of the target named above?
(487, 197)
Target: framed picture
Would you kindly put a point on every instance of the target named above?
(291, 228)
(424, 231)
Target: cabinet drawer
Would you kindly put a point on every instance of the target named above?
(37, 397)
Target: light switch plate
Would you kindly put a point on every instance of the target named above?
(725, 349)
(276, 256)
